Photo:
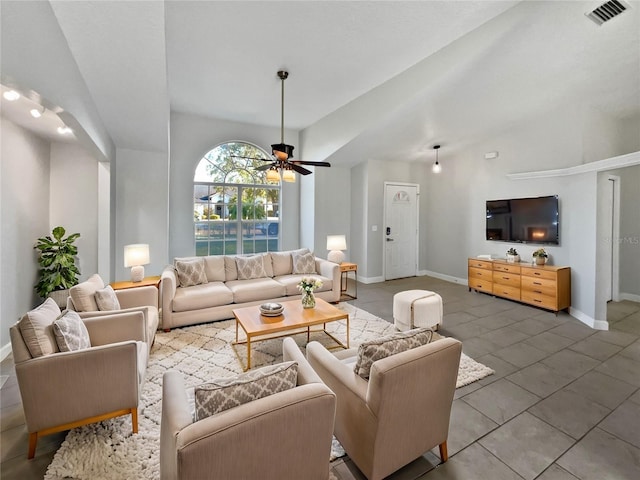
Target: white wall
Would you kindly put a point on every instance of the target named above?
(141, 202)
(24, 216)
(74, 201)
(630, 232)
(333, 207)
(191, 137)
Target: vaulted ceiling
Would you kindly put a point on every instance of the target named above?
(453, 70)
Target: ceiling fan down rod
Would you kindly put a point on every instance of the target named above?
(283, 74)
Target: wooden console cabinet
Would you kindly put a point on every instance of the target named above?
(544, 286)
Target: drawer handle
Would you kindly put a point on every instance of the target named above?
(505, 278)
(537, 291)
(536, 273)
(537, 283)
(536, 300)
(505, 293)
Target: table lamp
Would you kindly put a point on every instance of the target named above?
(135, 256)
(336, 243)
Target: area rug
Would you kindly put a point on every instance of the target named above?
(108, 450)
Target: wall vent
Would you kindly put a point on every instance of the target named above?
(607, 11)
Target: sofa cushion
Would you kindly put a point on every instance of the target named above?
(290, 283)
(303, 262)
(250, 267)
(106, 299)
(191, 272)
(210, 294)
(255, 289)
(70, 332)
(83, 294)
(36, 327)
(268, 264)
(282, 263)
(230, 268)
(225, 393)
(369, 352)
(214, 268)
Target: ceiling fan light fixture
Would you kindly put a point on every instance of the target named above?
(282, 151)
(288, 175)
(273, 175)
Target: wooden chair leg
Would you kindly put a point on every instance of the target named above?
(443, 452)
(134, 419)
(33, 440)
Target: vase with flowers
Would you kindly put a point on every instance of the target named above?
(540, 256)
(307, 285)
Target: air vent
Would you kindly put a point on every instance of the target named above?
(607, 11)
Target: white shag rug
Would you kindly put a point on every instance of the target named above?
(109, 451)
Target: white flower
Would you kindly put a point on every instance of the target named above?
(309, 284)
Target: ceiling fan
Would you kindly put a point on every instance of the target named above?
(282, 153)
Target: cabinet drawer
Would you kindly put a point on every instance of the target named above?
(506, 291)
(480, 264)
(539, 286)
(481, 285)
(478, 273)
(539, 300)
(539, 273)
(348, 268)
(504, 278)
(505, 267)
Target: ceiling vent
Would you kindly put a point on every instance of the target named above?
(607, 11)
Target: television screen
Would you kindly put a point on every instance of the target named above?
(524, 220)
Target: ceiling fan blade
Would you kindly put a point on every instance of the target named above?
(299, 169)
(264, 167)
(315, 164)
(252, 158)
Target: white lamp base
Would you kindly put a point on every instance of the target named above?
(137, 273)
(336, 256)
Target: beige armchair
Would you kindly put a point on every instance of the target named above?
(64, 390)
(286, 435)
(139, 299)
(401, 412)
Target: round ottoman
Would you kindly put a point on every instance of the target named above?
(417, 308)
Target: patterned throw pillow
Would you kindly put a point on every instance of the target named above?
(250, 267)
(191, 272)
(71, 333)
(225, 393)
(369, 352)
(83, 295)
(304, 262)
(107, 299)
(36, 327)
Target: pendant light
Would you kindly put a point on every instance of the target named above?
(436, 166)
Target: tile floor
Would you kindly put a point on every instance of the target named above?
(564, 403)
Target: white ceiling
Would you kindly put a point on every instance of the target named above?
(219, 59)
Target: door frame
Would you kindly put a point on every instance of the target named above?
(614, 268)
(384, 225)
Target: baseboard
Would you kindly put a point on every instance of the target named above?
(587, 320)
(368, 280)
(5, 351)
(632, 297)
(441, 276)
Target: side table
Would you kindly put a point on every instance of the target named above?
(153, 281)
(345, 269)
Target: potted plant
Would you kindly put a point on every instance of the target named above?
(540, 256)
(58, 271)
(512, 255)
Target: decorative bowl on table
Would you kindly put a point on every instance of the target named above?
(271, 309)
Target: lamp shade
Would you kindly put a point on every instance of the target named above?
(336, 242)
(288, 175)
(136, 254)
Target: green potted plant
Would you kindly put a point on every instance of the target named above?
(512, 255)
(57, 259)
(540, 256)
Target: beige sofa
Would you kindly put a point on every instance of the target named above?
(223, 290)
(283, 436)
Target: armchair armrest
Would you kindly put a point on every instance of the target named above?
(138, 297)
(330, 270)
(168, 285)
(67, 386)
(291, 353)
(111, 327)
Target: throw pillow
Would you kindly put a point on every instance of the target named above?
(250, 267)
(369, 352)
(281, 262)
(107, 299)
(303, 262)
(225, 393)
(36, 327)
(191, 272)
(71, 333)
(83, 294)
(268, 264)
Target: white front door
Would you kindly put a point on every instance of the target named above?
(401, 230)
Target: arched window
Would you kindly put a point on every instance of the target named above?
(235, 210)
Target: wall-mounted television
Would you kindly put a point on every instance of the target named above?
(524, 220)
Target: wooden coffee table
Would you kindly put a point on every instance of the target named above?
(293, 317)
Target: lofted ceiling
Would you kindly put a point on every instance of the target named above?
(471, 66)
